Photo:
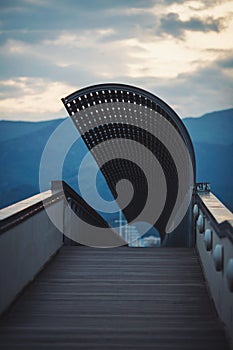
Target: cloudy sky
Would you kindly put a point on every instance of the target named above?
(180, 50)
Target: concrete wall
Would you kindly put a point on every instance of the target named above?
(24, 250)
(217, 280)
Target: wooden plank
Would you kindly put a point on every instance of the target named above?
(122, 298)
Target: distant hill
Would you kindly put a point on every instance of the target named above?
(212, 128)
(21, 150)
(13, 129)
(215, 165)
(212, 136)
(22, 144)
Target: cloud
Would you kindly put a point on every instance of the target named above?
(57, 45)
(226, 62)
(68, 15)
(193, 4)
(37, 26)
(190, 94)
(173, 25)
(182, 1)
(27, 97)
(206, 89)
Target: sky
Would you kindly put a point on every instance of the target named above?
(180, 50)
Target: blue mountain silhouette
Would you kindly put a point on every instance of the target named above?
(22, 144)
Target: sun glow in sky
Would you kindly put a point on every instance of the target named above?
(182, 51)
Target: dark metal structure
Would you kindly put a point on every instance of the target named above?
(79, 205)
(97, 128)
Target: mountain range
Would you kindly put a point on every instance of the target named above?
(212, 136)
(22, 144)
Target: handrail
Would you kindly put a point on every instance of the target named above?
(222, 229)
(214, 239)
(21, 211)
(15, 217)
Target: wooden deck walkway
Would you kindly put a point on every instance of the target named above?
(107, 299)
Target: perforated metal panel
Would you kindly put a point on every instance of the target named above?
(115, 112)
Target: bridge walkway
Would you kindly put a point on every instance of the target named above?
(122, 298)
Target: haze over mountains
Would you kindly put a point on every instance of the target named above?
(22, 144)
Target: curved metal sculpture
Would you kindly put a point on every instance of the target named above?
(113, 120)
